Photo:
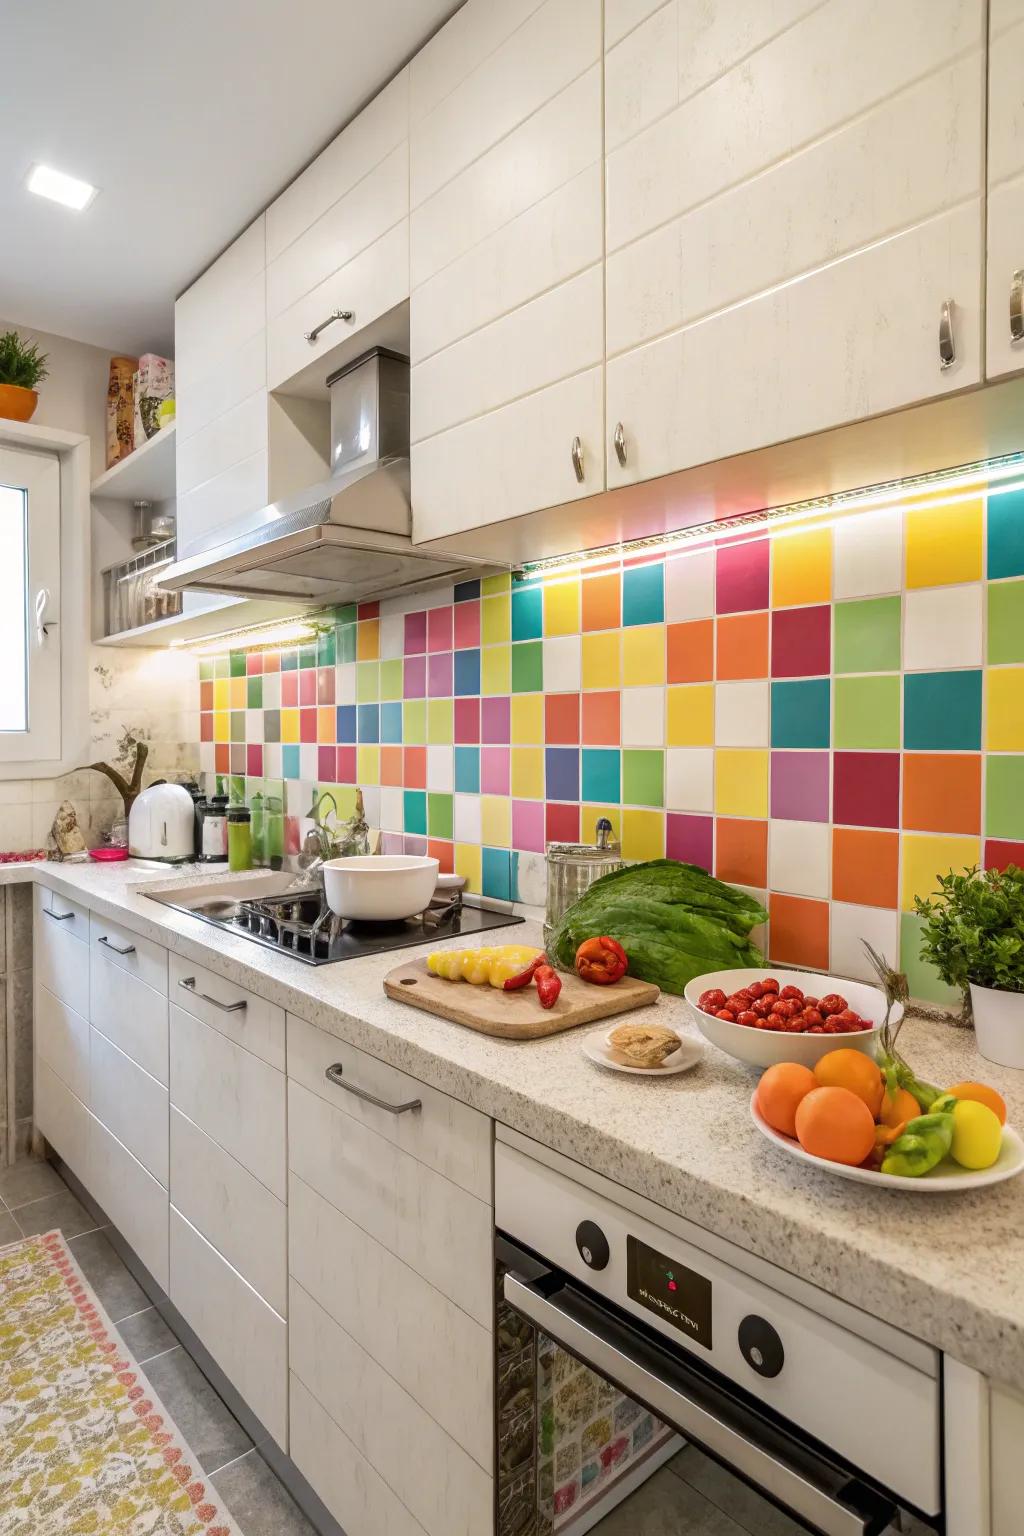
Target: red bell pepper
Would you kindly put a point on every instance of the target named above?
(601, 961)
(523, 979)
(549, 984)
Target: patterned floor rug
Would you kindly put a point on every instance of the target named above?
(86, 1447)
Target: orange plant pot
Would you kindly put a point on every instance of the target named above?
(16, 403)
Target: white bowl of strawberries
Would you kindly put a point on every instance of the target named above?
(763, 1015)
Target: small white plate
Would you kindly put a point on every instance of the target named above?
(946, 1178)
(686, 1055)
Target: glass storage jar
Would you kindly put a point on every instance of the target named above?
(573, 867)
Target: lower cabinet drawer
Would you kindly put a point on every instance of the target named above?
(63, 1119)
(61, 909)
(135, 1202)
(62, 1040)
(130, 1014)
(248, 1340)
(245, 1018)
(130, 1103)
(230, 1208)
(142, 958)
(61, 961)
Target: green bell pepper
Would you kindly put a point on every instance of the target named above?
(923, 1144)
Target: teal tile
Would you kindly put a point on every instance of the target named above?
(527, 612)
(942, 711)
(439, 815)
(800, 713)
(290, 762)
(643, 594)
(415, 818)
(325, 648)
(346, 614)
(467, 770)
(496, 873)
(237, 664)
(867, 713)
(254, 693)
(601, 775)
(290, 660)
(345, 642)
(868, 635)
(528, 667)
(925, 983)
(643, 777)
(1005, 534)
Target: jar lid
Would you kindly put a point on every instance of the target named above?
(239, 813)
(588, 852)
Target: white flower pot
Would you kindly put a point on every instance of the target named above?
(999, 1025)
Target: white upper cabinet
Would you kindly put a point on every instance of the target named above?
(1005, 275)
(794, 192)
(338, 237)
(506, 260)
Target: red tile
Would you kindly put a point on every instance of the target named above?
(691, 651)
(327, 764)
(205, 695)
(307, 685)
(439, 629)
(254, 760)
(741, 851)
(346, 767)
(222, 757)
(254, 664)
(307, 725)
(415, 633)
(466, 630)
(562, 719)
(467, 719)
(289, 690)
(691, 839)
(415, 768)
(741, 576)
(562, 823)
(444, 853)
(205, 727)
(325, 685)
(798, 933)
(999, 853)
(866, 789)
(601, 719)
(368, 611)
(801, 641)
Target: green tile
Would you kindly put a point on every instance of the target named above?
(345, 643)
(346, 614)
(391, 679)
(528, 667)
(222, 666)
(238, 725)
(1005, 621)
(440, 721)
(867, 635)
(254, 692)
(236, 789)
(307, 655)
(867, 713)
(1004, 797)
(643, 777)
(439, 815)
(325, 648)
(367, 682)
(925, 983)
(414, 722)
(237, 664)
(206, 670)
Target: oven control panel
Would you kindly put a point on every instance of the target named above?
(674, 1293)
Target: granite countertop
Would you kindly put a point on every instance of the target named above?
(945, 1268)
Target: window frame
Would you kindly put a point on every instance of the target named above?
(38, 475)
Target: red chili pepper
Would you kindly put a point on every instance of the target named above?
(549, 984)
(601, 961)
(524, 978)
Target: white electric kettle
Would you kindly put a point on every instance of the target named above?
(161, 824)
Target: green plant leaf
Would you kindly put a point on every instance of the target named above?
(974, 928)
(21, 362)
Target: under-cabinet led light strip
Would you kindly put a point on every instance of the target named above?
(255, 637)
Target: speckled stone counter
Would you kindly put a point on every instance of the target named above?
(948, 1269)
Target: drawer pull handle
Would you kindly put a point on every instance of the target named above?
(335, 314)
(129, 949)
(947, 337)
(335, 1075)
(60, 917)
(619, 443)
(189, 983)
(577, 459)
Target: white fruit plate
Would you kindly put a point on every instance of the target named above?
(686, 1055)
(947, 1178)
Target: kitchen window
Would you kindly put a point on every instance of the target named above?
(30, 650)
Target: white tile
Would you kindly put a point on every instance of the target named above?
(15, 827)
(440, 768)
(254, 725)
(741, 713)
(371, 804)
(345, 682)
(942, 627)
(643, 717)
(208, 759)
(690, 779)
(798, 857)
(392, 636)
(271, 760)
(851, 926)
(391, 809)
(16, 791)
(690, 586)
(562, 664)
(272, 690)
(467, 819)
(309, 763)
(868, 554)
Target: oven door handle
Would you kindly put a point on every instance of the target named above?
(793, 1489)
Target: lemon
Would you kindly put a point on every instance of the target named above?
(977, 1135)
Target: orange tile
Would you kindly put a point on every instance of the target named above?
(444, 853)
(741, 851)
(691, 651)
(798, 933)
(415, 766)
(602, 601)
(391, 765)
(326, 724)
(865, 867)
(942, 791)
(601, 719)
(742, 646)
(562, 719)
(368, 640)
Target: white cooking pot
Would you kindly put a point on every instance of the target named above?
(380, 887)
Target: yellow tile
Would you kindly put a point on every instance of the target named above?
(368, 765)
(944, 544)
(1004, 709)
(643, 655)
(326, 723)
(495, 619)
(496, 669)
(802, 568)
(222, 693)
(590, 815)
(927, 857)
(527, 718)
(643, 834)
(602, 659)
(468, 861)
(414, 723)
(222, 726)
(289, 725)
(492, 584)
(741, 782)
(496, 820)
(562, 606)
(368, 640)
(527, 773)
(440, 720)
(344, 795)
(238, 695)
(691, 715)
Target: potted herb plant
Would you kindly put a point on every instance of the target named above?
(973, 935)
(22, 367)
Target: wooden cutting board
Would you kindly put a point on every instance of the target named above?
(515, 1015)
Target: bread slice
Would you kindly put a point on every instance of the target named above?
(644, 1045)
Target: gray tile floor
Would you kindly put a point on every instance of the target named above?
(34, 1198)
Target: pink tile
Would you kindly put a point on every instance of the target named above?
(528, 825)
(254, 664)
(392, 842)
(439, 675)
(327, 765)
(800, 786)
(307, 685)
(254, 761)
(289, 690)
(741, 576)
(494, 770)
(467, 720)
(415, 633)
(325, 685)
(866, 789)
(291, 834)
(414, 680)
(690, 838)
(496, 720)
(801, 641)
(439, 629)
(346, 766)
(467, 625)
(415, 845)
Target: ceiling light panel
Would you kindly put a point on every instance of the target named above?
(59, 187)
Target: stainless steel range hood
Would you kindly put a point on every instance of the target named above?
(346, 539)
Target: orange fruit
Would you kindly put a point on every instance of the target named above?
(779, 1092)
(898, 1107)
(835, 1123)
(847, 1068)
(979, 1093)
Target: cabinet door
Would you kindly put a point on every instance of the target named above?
(1007, 1428)
(1005, 274)
(794, 191)
(506, 264)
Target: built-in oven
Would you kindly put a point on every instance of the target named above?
(631, 1347)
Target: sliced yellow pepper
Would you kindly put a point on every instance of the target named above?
(493, 964)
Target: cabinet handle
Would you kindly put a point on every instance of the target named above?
(189, 983)
(60, 917)
(947, 341)
(334, 1075)
(128, 950)
(577, 458)
(619, 440)
(335, 314)
(1017, 306)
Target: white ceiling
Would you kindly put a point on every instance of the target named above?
(190, 117)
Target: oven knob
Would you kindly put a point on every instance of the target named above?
(761, 1346)
(593, 1245)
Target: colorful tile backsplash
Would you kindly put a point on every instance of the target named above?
(829, 717)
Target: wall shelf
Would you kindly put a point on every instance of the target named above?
(147, 474)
